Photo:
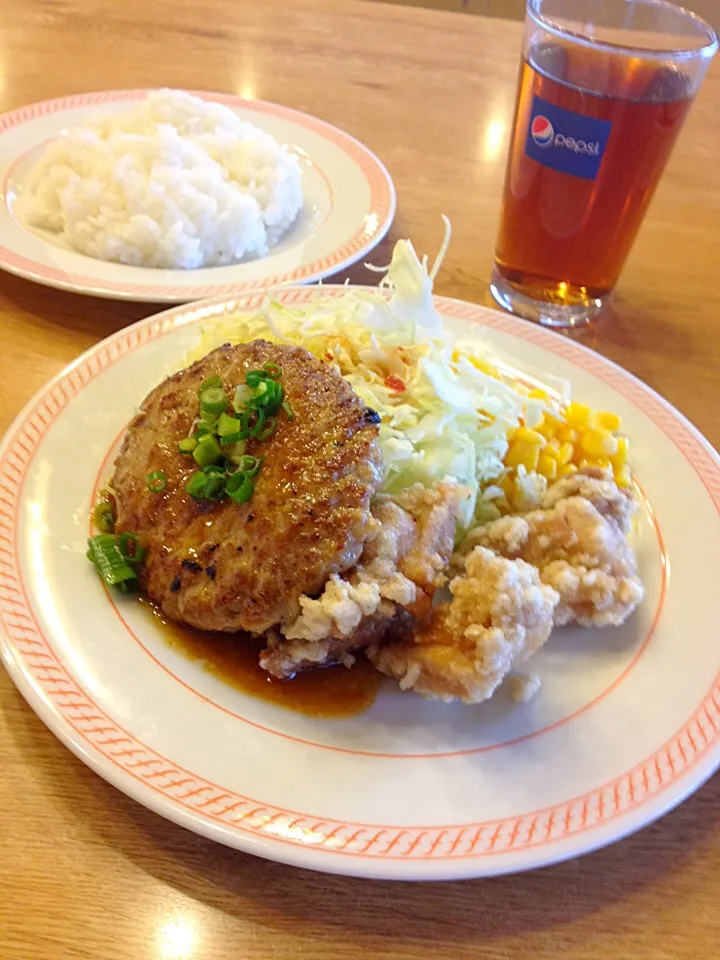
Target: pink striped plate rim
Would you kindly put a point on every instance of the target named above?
(357, 224)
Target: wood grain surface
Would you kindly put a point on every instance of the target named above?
(86, 873)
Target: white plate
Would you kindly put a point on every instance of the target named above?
(348, 208)
(626, 725)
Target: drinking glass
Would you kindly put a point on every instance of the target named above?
(605, 86)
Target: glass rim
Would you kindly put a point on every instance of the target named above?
(704, 52)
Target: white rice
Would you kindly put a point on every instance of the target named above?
(175, 181)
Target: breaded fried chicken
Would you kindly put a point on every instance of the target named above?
(433, 511)
(400, 568)
(499, 615)
(600, 489)
(578, 544)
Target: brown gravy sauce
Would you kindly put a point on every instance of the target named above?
(319, 692)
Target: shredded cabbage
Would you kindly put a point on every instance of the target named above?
(447, 407)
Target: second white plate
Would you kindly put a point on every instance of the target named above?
(349, 206)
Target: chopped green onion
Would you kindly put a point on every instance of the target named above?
(127, 586)
(214, 486)
(272, 394)
(262, 395)
(243, 394)
(214, 400)
(227, 425)
(244, 418)
(196, 484)
(104, 517)
(238, 451)
(113, 568)
(203, 430)
(258, 422)
(210, 382)
(239, 487)
(218, 444)
(268, 394)
(267, 397)
(156, 482)
(208, 484)
(268, 430)
(187, 445)
(130, 549)
(207, 451)
(234, 481)
(250, 465)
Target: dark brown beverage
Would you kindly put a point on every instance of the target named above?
(583, 166)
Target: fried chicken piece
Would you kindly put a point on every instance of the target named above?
(434, 512)
(284, 658)
(401, 566)
(579, 548)
(499, 615)
(393, 536)
(600, 489)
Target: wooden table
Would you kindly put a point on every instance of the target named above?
(86, 873)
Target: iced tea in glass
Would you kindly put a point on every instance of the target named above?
(605, 86)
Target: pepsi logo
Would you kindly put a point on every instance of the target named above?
(541, 130)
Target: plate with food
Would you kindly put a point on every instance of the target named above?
(169, 196)
(366, 580)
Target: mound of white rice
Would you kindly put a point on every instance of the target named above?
(174, 181)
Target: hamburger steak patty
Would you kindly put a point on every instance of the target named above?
(228, 566)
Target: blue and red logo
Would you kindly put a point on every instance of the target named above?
(542, 131)
(565, 141)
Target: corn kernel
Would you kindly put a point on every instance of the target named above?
(602, 462)
(568, 435)
(599, 443)
(530, 436)
(547, 467)
(565, 453)
(623, 477)
(620, 457)
(538, 394)
(555, 421)
(605, 420)
(567, 469)
(577, 414)
(546, 428)
(483, 366)
(553, 446)
(522, 453)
